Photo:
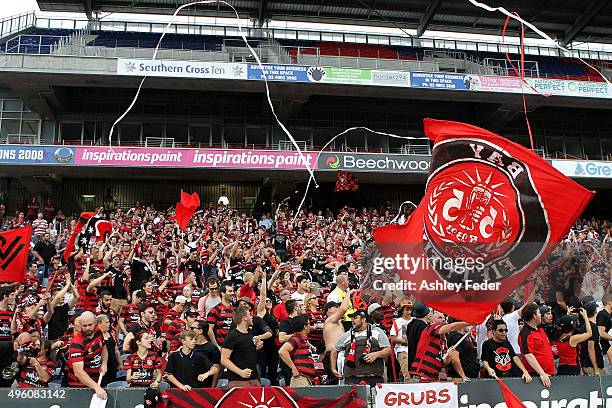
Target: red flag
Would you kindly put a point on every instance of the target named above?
(257, 397)
(512, 401)
(489, 201)
(185, 208)
(14, 249)
(83, 219)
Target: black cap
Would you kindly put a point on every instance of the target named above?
(358, 313)
(544, 309)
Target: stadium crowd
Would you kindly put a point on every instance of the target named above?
(240, 301)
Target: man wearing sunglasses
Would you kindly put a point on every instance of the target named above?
(212, 298)
(498, 357)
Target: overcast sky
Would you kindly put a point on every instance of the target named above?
(12, 7)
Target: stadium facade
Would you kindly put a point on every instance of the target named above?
(202, 121)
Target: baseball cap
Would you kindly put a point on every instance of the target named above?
(180, 299)
(419, 310)
(566, 322)
(405, 303)
(373, 307)
(544, 309)
(358, 313)
(246, 299)
(329, 305)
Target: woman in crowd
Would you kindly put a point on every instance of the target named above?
(567, 341)
(39, 370)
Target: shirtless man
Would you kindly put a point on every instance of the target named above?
(332, 330)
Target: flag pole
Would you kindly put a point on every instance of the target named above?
(455, 345)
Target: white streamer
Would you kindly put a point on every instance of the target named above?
(253, 53)
(311, 178)
(399, 211)
(535, 29)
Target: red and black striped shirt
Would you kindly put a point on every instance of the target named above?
(145, 367)
(172, 334)
(301, 356)
(221, 318)
(87, 351)
(6, 316)
(131, 316)
(87, 300)
(28, 378)
(427, 362)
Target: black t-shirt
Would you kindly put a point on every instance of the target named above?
(46, 250)
(140, 274)
(585, 360)
(286, 326)
(467, 355)
(119, 278)
(7, 355)
(195, 267)
(187, 367)
(273, 325)
(499, 356)
(59, 322)
(259, 326)
(244, 354)
(414, 329)
(209, 350)
(604, 319)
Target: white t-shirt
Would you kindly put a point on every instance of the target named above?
(398, 329)
(512, 323)
(210, 303)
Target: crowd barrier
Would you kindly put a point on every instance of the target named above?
(565, 392)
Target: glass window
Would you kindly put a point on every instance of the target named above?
(257, 136)
(89, 132)
(199, 135)
(155, 130)
(178, 132)
(554, 146)
(592, 150)
(573, 147)
(12, 105)
(233, 136)
(30, 127)
(71, 131)
(9, 130)
(321, 136)
(129, 133)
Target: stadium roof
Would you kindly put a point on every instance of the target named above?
(567, 20)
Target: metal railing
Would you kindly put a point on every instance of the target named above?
(20, 139)
(17, 23)
(326, 36)
(159, 142)
(504, 67)
(420, 149)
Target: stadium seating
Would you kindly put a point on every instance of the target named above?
(42, 40)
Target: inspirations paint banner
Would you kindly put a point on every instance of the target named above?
(204, 158)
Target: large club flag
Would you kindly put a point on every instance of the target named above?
(512, 401)
(492, 212)
(78, 229)
(260, 397)
(185, 208)
(14, 249)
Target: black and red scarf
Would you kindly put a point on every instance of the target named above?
(352, 354)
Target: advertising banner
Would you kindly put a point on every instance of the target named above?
(374, 162)
(570, 88)
(20, 154)
(286, 73)
(565, 392)
(496, 83)
(181, 69)
(197, 158)
(584, 168)
(436, 80)
(426, 395)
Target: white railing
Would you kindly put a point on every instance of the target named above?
(287, 145)
(419, 149)
(20, 139)
(15, 24)
(159, 142)
(503, 67)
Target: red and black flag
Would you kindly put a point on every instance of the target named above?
(14, 249)
(261, 397)
(492, 212)
(90, 225)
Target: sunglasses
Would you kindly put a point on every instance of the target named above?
(502, 330)
(195, 328)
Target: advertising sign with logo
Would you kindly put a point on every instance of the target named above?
(570, 88)
(439, 395)
(374, 162)
(202, 158)
(287, 73)
(584, 168)
(436, 80)
(496, 84)
(181, 69)
(576, 391)
(19, 154)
